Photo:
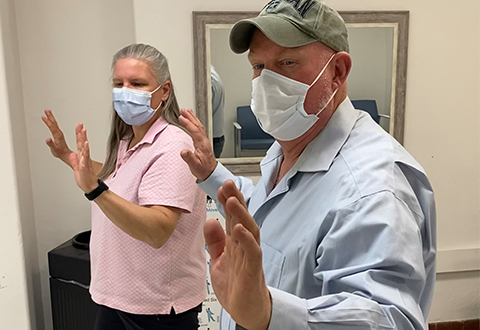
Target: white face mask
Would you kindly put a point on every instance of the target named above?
(277, 102)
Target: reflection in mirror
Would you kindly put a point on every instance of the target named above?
(239, 135)
(376, 84)
(371, 78)
(242, 134)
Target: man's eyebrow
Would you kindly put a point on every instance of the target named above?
(282, 52)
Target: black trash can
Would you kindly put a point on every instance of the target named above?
(69, 266)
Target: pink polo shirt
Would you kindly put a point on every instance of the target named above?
(128, 274)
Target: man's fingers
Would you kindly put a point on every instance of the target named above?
(250, 247)
(194, 118)
(241, 215)
(215, 238)
(235, 206)
(188, 157)
(188, 114)
(193, 125)
(193, 162)
(228, 218)
(196, 132)
(230, 189)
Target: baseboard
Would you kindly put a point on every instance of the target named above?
(457, 325)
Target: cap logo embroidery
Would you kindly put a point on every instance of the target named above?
(301, 6)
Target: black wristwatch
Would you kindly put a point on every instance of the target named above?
(97, 191)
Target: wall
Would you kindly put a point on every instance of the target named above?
(442, 118)
(236, 74)
(371, 75)
(21, 157)
(14, 290)
(66, 48)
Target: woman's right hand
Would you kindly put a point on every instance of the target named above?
(58, 145)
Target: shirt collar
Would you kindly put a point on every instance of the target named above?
(158, 126)
(320, 153)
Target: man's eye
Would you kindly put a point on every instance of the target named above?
(118, 85)
(258, 67)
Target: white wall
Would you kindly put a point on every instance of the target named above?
(66, 48)
(236, 74)
(442, 118)
(14, 302)
(21, 157)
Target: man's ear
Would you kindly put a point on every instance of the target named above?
(343, 64)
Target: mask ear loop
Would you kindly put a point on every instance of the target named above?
(326, 104)
(156, 89)
(161, 103)
(318, 77)
(323, 70)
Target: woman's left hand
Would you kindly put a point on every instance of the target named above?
(81, 162)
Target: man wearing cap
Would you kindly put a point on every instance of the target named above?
(339, 233)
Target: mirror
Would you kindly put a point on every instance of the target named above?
(378, 47)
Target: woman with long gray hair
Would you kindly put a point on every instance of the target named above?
(147, 247)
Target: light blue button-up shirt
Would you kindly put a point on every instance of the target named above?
(348, 235)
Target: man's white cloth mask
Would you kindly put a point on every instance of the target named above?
(277, 102)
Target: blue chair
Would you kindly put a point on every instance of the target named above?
(248, 133)
(369, 106)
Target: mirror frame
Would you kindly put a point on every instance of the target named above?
(399, 20)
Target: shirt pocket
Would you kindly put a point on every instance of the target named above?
(273, 264)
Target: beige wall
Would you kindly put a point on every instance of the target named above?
(442, 116)
(14, 281)
(66, 48)
(21, 156)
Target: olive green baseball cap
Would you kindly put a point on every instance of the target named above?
(293, 23)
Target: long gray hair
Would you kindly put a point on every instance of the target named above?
(170, 109)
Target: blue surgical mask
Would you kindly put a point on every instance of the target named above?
(133, 105)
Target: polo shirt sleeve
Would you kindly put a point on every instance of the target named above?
(168, 180)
